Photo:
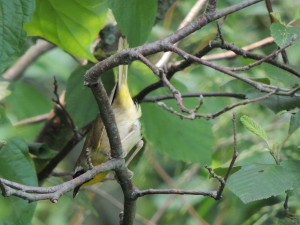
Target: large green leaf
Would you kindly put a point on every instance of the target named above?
(135, 18)
(185, 140)
(260, 181)
(26, 100)
(283, 34)
(70, 24)
(14, 14)
(279, 77)
(16, 165)
(277, 103)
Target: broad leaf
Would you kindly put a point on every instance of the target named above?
(279, 103)
(294, 122)
(135, 18)
(185, 140)
(72, 25)
(16, 165)
(283, 34)
(254, 127)
(279, 77)
(258, 181)
(14, 14)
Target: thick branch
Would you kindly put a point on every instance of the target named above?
(129, 55)
(55, 192)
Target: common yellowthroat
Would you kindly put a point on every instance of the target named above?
(96, 148)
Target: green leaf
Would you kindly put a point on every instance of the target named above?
(16, 165)
(294, 122)
(279, 77)
(254, 127)
(14, 14)
(277, 17)
(80, 102)
(135, 18)
(258, 181)
(6, 129)
(72, 25)
(297, 14)
(279, 103)
(25, 98)
(185, 140)
(276, 103)
(283, 34)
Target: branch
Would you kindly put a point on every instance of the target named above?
(122, 173)
(62, 107)
(192, 95)
(16, 70)
(231, 54)
(247, 54)
(55, 192)
(169, 73)
(233, 159)
(131, 54)
(268, 57)
(189, 17)
(138, 194)
(193, 116)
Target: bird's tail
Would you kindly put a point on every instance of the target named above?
(123, 69)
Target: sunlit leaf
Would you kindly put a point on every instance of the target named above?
(72, 25)
(254, 127)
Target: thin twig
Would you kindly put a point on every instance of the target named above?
(233, 159)
(216, 114)
(193, 95)
(247, 54)
(32, 120)
(286, 203)
(163, 174)
(58, 102)
(138, 194)
(47, 170)
(266, 58)
(231, 54)
(189, 17)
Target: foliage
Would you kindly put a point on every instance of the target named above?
(12, 36)
(175, 149)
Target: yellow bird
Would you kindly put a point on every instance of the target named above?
(96, 148)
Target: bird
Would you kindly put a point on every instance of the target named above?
(96, 148)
